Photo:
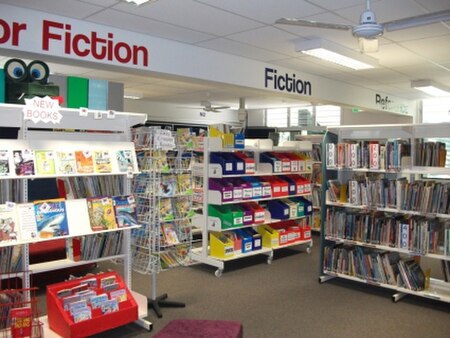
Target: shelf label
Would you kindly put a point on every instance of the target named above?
(42, 109)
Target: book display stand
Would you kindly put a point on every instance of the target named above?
(83, 144)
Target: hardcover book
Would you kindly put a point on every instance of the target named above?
(84, 161)
(24, 162)
(21, 322)
(51, 218)
(101, 213)
(125, 160)
(45, 162)
(125, 211)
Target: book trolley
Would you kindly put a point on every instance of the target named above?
(256, 200)
(387, 208)
(164, 198)
(78, 130)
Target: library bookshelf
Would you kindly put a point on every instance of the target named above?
(387, 212)
(79, 130)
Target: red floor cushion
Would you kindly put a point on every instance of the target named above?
(191, 328)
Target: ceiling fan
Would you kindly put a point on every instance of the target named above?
(368, 28)
(208, 107)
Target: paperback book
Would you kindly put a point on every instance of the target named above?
(101, 213)
(4, 163)
(168, 186)
(45, 162)
(9, 231)
(67, 164)
(169, 233)
(124, 160)
(51, 218)
(165, 210)
(125, 211)
(24, 162)
(102, 161)
(84, 161)
(21, 322)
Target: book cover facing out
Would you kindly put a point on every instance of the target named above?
(77, 92)
(51, 218)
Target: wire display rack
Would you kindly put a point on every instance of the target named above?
(163, 193)
(19, 315)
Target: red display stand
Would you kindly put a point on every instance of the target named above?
(61, 322)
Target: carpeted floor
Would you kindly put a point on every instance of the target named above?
(285, 299)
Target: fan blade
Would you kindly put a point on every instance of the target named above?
(419, 20)
(309, 23)
(220, 107)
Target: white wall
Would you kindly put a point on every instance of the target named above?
(161, 111)
(370, 117)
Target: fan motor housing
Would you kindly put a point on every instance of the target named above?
(368, 30)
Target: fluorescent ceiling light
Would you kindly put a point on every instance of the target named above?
(140, 2)
(133, 95)
(331, 52)
(431, 88)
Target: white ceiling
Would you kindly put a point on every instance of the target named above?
(246, 28)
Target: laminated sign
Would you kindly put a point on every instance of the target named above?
(42, 109)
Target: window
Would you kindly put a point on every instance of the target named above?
(277, 117)
(328, 115)
(303, 116)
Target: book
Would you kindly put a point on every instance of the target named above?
(165, 209)
(73, 249)
(102, 162)
(120, 295)
(124, 160)
(9, 227)
(21, 322)
(4, 163)
(101, 213)
(169, 233)
(184, 184)
(82, 314)
(183, 206)
(51, 218)
(96, 301)
(167, 186)
(105, 281)
(125, 211)
(27, 221)
(185, 138)
(24, 162)
(111, 305)
(45, 162)
(66, 163)
(84, 161)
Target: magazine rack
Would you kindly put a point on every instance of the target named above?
(63, 324)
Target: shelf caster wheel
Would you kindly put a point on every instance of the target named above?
(308, 250)
(218, 273)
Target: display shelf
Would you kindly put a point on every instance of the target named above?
(413, 233)
(208, 223)
(307, 242)
(93, 131)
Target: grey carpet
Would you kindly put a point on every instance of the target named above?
(284, 299)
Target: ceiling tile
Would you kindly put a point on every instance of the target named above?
(103, 3)
(275, 9)
(241, 49)
(69, 8)
(394, 55)
(435, 49)
(148, 26)
(416, 33)
(303, 65)
(192, 15)
(434, 5)
(425, 71)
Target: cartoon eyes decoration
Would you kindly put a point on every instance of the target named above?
(17, 71)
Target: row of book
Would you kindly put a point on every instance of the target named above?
(416, 234)
(48, 218)
(391, 155)
(90, 186)
(101, 245)
(174, 233)
(28, 162)
(177, 256)
(147, 137)
(166, 185)
(420, 195)
(10, 190)
(11, 258)
(374, 266)
(165, 161)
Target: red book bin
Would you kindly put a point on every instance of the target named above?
(61, 321)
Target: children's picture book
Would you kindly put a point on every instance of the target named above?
(101, 213)
(84, 161)
(82, 314)
(120, 295)
(102, 161)
(167, 186)
(9, 227)
(165, 209)
(185, 138)
(66, 163)
(184, 183)
(124, 160)
(24, 162)
(111, 305)
(169, 234)
(45, 162)
(125, 211)
(97, 300)
(51, 218)
(183, 207)
(21, 322)
(160, 161)
(27, 221)
(104, 281)
(4, 163)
